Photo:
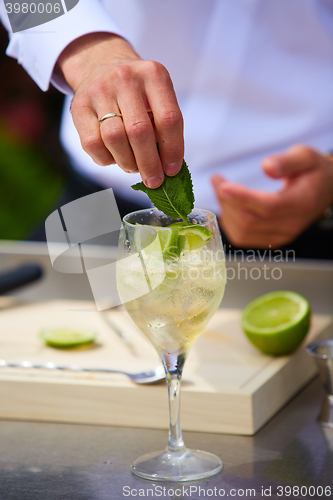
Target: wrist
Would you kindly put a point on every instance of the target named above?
(91, 51)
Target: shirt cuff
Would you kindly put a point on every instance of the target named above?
(37, 49)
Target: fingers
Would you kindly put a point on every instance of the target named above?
(217, 180)
(253, 218)
(87, 125)
(167, 117)
(262, 203)
(256, 219)
(140, 133)
(294, 161)
(114, 138)
(130, 141)
(247, 230)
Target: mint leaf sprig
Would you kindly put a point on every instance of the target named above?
(175, 196)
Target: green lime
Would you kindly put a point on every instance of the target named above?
(164, 243)
(171, 241)
(66, 337)
(195, 236)
(144, 236)
(277, 322)
(179, 224)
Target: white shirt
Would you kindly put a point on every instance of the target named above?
(252, 77)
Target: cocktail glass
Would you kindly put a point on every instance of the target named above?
(171, 281)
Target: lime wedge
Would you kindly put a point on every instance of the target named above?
(66, 337)
(143, 237)
(171, 241)
(165, 244)
(194, 236)
(277, 322)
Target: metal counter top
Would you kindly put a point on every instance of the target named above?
(44, 461)
(49, 461)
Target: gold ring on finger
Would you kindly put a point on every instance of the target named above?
(109, 115)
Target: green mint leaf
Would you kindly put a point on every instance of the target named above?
(175, 196)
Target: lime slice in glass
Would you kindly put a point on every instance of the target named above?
(194, 237)
(277, 322)
(143, 237)
(66, 337)
(166, 244)
(179, 224)
(171, 241)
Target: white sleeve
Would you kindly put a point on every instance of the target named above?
(37, 49)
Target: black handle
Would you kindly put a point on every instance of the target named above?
(20, 276)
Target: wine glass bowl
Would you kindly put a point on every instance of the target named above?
(171, 278)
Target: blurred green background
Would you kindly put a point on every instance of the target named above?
(32, 166)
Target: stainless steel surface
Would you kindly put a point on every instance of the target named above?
(326, 413)
(44, 461)
(322, 353)
(147, 377)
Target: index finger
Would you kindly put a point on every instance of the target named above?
(294, 161)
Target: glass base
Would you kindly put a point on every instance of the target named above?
(187, 465)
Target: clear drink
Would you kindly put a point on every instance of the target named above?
(173, 314)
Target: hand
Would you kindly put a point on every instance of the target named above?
(257, 219)
(108, 76)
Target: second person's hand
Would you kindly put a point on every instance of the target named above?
(107, 76)
(258, 219)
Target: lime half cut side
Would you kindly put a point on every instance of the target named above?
(277, 322)
(67, 337)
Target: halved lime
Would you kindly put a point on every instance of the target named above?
(67, 337)
(277, 322)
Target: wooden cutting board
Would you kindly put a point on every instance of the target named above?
(228, 385)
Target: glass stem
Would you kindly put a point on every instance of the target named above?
(175, 442)
(174, 367)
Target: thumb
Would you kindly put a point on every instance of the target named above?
(217, 181)
(294, 161)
